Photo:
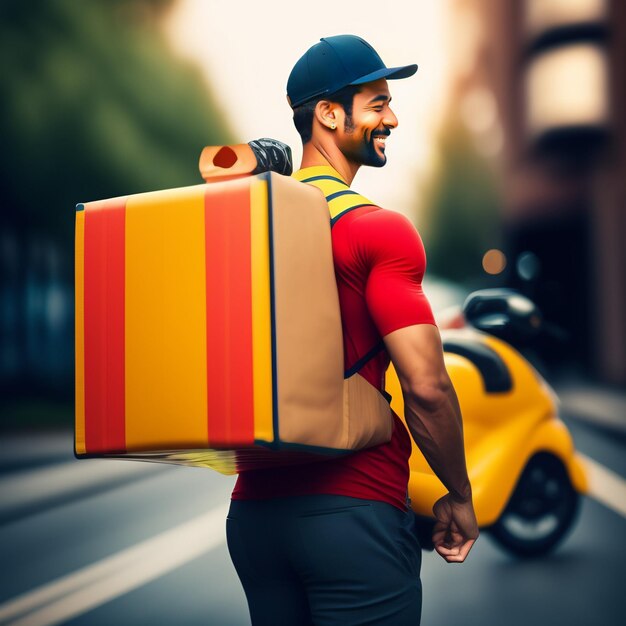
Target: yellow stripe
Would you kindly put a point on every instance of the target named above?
(261, 323)
(166, 371)
(329, 186)
(317, 170)
(80, 332)
(342, 203)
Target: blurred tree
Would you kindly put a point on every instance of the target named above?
(462, 213)
(93, 104)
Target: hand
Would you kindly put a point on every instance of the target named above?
(455, 530)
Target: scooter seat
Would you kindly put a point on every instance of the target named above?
(493, 370)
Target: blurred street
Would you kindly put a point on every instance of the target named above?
(132, 543)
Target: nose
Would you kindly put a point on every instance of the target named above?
(390, 120)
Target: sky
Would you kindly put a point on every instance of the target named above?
(247, 49)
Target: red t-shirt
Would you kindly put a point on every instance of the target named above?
(379, 264)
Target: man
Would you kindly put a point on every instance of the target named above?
(332, 542)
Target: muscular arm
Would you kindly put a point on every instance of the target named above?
(433, 416)
(432, 410)
(403, 317)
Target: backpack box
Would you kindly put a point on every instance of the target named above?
(208, 329)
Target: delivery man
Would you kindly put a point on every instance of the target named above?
(332, 542)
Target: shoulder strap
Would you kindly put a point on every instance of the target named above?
(340, 198)
(366, 358)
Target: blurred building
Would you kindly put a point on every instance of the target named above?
(541, 85)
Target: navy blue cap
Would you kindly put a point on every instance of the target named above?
(336, 62)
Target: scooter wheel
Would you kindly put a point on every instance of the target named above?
(541, 510)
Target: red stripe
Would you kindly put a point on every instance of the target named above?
(104, 326)
(229, 317)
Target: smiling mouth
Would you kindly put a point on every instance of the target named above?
(380, 141)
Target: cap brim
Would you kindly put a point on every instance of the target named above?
(390, 73)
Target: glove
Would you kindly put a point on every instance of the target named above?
(272, 156)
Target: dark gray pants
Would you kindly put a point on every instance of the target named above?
(326, 560)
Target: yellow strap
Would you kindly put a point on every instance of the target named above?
(340, 205)
(328, 186)
(324, 175)
(318, 170)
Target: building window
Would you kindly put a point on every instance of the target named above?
(567, 87)
(540, 15)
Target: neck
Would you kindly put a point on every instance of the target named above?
(316, 153)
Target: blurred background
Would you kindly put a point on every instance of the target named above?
(510, 158)
(94, 104)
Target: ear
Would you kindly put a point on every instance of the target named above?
(328, 113)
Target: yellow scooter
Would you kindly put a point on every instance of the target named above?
(526, 475)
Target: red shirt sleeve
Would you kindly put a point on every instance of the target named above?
(391, 248)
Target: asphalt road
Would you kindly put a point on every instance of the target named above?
(120, 542)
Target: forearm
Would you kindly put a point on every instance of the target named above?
(431, 407)
(437, 428)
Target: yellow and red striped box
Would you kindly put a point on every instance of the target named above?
(208, 328)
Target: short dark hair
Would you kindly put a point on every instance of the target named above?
(303, 114)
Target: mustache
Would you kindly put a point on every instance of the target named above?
(381, 133)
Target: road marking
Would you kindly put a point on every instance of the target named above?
(606, 486)
(91, 586)
(113, 576)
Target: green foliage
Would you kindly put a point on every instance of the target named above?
(463, 219)
(92, 105)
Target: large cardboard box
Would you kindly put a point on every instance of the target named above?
(208, 329)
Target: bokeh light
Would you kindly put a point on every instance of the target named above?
(494, 261)
(528, 265)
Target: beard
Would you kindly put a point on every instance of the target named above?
(365, 152)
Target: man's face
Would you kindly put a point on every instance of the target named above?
(361, 137)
